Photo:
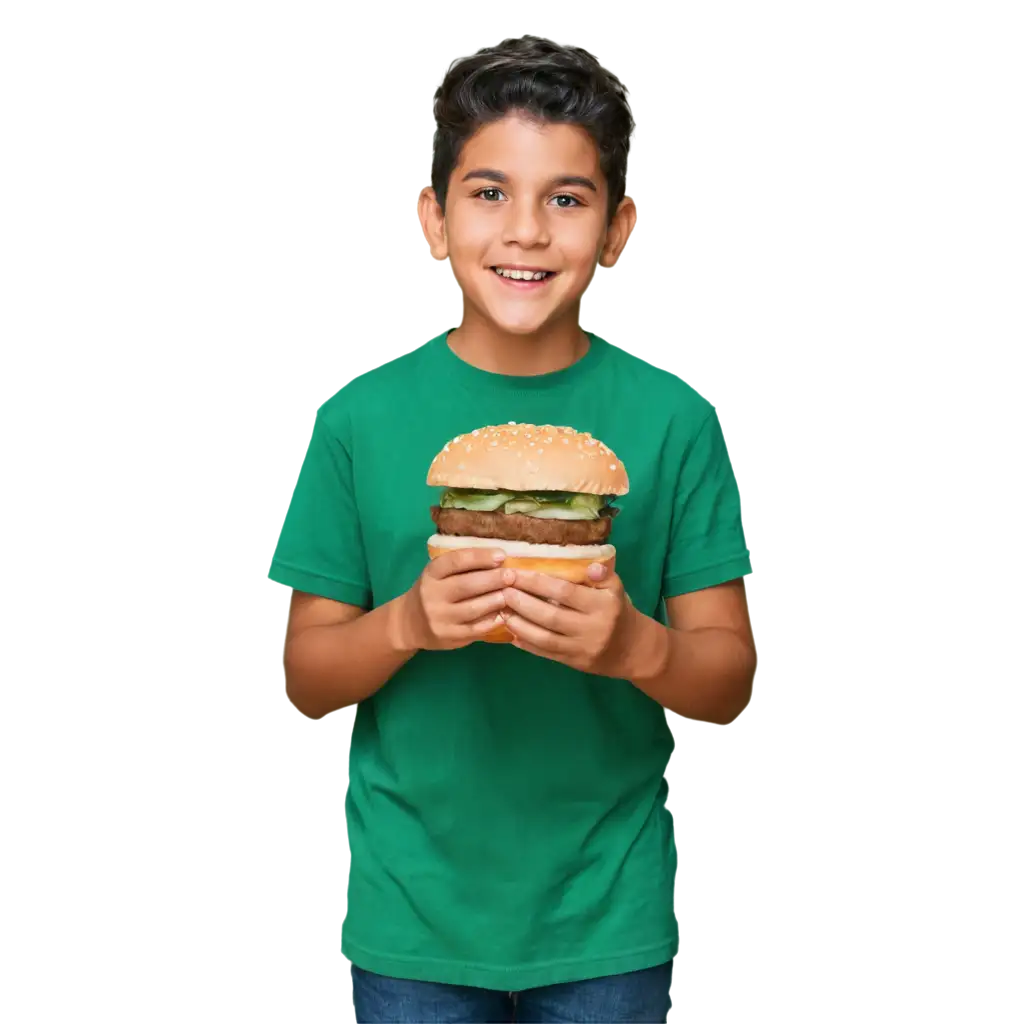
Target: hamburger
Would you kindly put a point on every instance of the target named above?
(542, 494)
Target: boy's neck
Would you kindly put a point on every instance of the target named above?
(487, 347)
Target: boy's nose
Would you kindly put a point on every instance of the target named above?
(525, 227)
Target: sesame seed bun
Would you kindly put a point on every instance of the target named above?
(567, 562)
(524, 457)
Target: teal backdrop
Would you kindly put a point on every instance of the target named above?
(206, 218)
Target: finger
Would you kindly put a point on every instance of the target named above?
(484, 625)
(525, 645)
(539, 637)
(471, 584)
(487, 605)
(551, 588)
(464, 560)
(554, 618)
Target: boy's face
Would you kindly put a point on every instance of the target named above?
(508, 204)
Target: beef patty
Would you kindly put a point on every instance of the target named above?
(516, 526)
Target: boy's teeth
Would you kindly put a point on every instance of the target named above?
(522, 275)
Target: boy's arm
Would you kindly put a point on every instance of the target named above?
(337, 654)
(702, 666)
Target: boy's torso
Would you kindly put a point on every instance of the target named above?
(506, 813)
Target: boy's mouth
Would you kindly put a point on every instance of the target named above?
(523, 278)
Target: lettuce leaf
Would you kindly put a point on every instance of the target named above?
(540, 504)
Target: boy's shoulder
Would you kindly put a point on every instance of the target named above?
(368, 390)
(658, 387)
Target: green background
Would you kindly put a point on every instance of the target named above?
(207, 219)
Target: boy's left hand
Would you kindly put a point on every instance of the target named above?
(588, 627)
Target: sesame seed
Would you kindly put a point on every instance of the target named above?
(494, 444)
(476, 433)
(613, 467)
(457, 440)
(511, 423)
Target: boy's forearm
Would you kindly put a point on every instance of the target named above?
(705, 674)
(331, 667)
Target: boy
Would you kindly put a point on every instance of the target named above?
(512, 855)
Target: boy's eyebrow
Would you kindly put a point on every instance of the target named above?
(575, 179)
(566, 179)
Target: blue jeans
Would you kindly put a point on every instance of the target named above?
(639, 997)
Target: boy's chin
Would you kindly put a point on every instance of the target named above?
(520, 321)
(519, 329)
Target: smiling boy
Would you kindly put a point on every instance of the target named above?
(512, 854)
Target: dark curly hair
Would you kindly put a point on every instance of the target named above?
(544, 82)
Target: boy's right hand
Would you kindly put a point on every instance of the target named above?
(454, 602)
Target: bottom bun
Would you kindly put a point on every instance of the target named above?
(567, 562)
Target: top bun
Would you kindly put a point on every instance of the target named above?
(527, 458)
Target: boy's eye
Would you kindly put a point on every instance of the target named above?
(563, 201)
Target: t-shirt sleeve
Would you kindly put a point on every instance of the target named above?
(320, 550)
(706, 543)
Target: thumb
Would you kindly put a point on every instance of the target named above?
(601, 576)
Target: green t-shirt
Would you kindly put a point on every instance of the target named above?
(506, 814)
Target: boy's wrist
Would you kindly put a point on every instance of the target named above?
(646, 648)
(398, 631)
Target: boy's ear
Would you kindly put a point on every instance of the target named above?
(432, 221)
(618, 233)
